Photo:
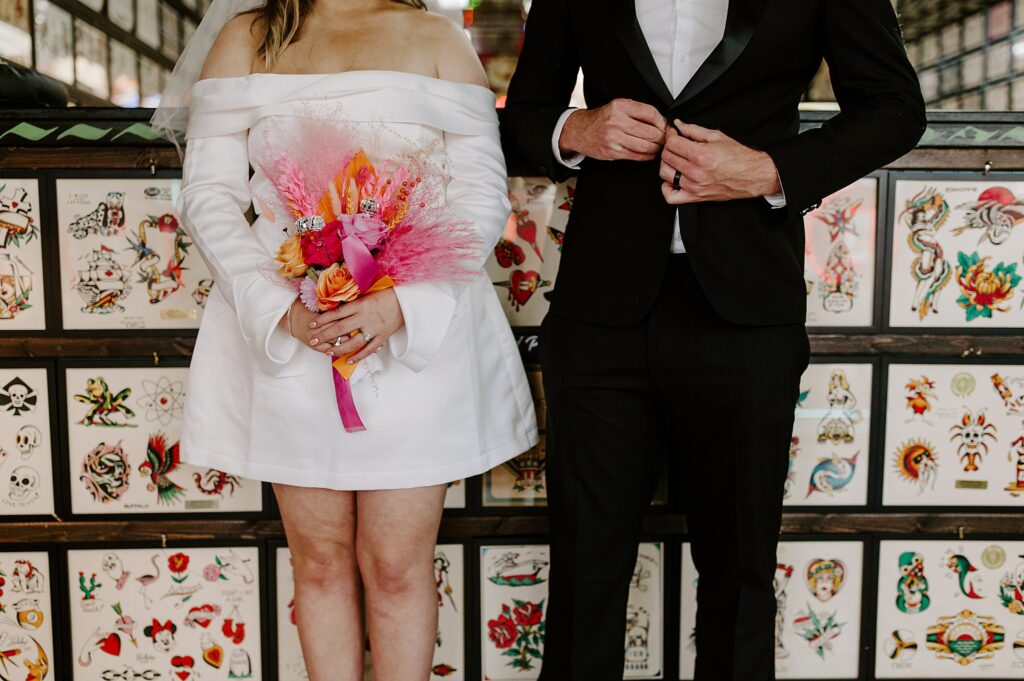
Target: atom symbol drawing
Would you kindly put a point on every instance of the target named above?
(164, 399)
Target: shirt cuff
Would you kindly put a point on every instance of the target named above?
(777, 201)
(573, 161)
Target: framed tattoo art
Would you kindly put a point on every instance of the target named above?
(839, 261)
(957, 252)
(126, 261)
(124, 424)
(183, 613)
(818, 587)
(513, 610)
(954, 435)
(54, 42)
(518, 482)
(26, 442)
(26, 615)
(832, 435)
(22, 280)
(645, 621)
(526, 258)
(950, 609)
(455, 496)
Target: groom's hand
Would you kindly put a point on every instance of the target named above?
(714, 167)
(621, 130)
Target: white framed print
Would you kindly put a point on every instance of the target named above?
(184, 613)
(17, 43)
(829, 450)
(455, 495)
(518, 482)
(124, 75)
(124, 426)
(513, 610)
(645, 615)
(954, 435)
(122, 13)
(26, 618)
(22, 281)
(54, 41)
(147, 22)
(950, 609)
(818, 588)
(26, 442)
(956, 253)
(839, 260)
(126, 261)
(91, 59)
(525, 260)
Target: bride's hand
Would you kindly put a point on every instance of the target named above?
(377, 314)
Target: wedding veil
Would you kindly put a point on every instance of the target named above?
(171, 118)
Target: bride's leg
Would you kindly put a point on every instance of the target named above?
(321, 528)
(395, 542)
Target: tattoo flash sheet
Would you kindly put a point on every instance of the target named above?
(22, 293)
(828, 455)
(522, 481)
(954, 435)
(645, 621)
(818, 587)
(26, 450)
(957, 248)
(124, 425)
(950, 609)
(155, 613)
(839, 261)
(449, 654)
(126, 261)
(26, 615)
(526, 258)
(513, 610)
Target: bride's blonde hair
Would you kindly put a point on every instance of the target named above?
(280, 21)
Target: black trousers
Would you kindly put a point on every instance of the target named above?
(715, 402)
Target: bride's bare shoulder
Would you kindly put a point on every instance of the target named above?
(234, 51)
(448, 45)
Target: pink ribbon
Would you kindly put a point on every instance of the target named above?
(346, 404)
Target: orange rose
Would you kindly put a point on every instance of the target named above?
(335, 286)
(290, 255)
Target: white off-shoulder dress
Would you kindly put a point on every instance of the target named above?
(449, 398)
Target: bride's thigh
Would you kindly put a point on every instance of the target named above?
(320, 525)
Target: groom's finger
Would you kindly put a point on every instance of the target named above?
(637, 145)
(696, 132)
(645, 113)
(684, 147)
(678, 197)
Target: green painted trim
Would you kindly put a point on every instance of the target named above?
(141, 130)
(29, 132)
(85, 131)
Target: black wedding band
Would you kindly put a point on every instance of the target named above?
(675, 180)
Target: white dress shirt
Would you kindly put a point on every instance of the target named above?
(681, 35)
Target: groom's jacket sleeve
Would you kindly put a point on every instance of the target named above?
(882, 110)
(541, 87)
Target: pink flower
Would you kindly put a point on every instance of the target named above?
(367, 228)
(211, 573)
(307, 294)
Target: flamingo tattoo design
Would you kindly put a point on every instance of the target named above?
(147, 580)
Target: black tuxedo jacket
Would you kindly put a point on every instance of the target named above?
(749, 258)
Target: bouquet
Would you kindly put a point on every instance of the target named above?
(361, 228)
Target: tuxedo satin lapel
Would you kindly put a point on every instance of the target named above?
(623, 16)
(744, 17)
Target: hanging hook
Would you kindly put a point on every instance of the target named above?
(960, 532)
(988, 167)
(156, 359)
(152, 165)
(966, 353)
(163, 541)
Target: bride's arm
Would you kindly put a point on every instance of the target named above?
(212, 204)
(477, 192)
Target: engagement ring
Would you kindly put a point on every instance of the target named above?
(337, 341)
(367, 337)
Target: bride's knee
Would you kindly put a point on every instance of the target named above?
(325, 565)
(389, 572)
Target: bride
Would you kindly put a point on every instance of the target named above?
(448, 396)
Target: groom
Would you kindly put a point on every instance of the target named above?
(676, 330)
